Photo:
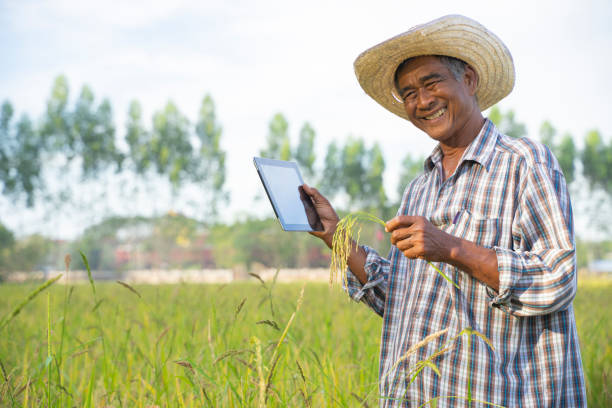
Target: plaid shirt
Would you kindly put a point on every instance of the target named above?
(506, 194)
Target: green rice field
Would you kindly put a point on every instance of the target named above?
(237, 345)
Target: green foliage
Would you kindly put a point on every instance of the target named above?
(356, 171)
(81, 139)
(20, 156)
(262, 242)
(56, 127)
(93, 134)
(597, 161)
(30, 253)
(137, 139)
(564, 151)
(331, 181)
(194, 345)
(304, 153)
(211, 161)
(507, 123)
(171, 148)
(7, 242)
(278, 144)
(411, 168)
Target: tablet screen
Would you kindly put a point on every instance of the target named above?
(282, 181)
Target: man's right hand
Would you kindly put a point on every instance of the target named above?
(326, 212)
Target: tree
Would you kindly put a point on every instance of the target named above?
(7, 242)
(566, 154)
(564, 151)
(137, 139)
(374, 194)
(278, 145)
(354, 169)
(411, 168)
(597, 161)
(93, 134)
(211, 158)
(56, 127)
(304, 153)
(357, 172)
(170, 147)
(20, 150)
(330, 183)
(507, 123)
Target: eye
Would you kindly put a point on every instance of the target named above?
(432, 84)
(409, 95)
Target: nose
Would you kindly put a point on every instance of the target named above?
(425, 99)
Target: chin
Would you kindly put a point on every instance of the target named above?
(439, 133)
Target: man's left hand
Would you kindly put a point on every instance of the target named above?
(418, 238)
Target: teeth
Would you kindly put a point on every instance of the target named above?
(436, 115)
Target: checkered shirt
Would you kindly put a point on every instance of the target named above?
(510, 195)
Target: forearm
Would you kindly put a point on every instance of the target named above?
(476, 260)
(356, 262)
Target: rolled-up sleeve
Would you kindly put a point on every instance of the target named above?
(374, 291)
(538, 276)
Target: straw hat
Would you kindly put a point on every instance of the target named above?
(455, 36)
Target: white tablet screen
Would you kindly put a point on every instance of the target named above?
(284, 183)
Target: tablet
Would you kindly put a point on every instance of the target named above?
(283, 184)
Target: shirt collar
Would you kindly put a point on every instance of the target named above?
(479, 150)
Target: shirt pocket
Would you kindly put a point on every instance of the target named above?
(472, 227)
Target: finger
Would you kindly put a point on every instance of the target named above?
(404, 244)
(400, 221)
(400, 234)
(313, 193)
(414, 252)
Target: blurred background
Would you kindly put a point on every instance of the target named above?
(127, 129)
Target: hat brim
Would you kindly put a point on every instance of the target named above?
(454, 36)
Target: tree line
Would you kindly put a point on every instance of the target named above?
(75, 142)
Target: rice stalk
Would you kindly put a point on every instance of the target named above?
(361, 401)
(230, 353)
(86, 263)
(348, 230)
(282, 337)
(262, 380)
(60, 355)
(414, 349)
(49, 356)
(8, 384)
(239, 308)
(270, 323)
(6, 319)
(130, 288)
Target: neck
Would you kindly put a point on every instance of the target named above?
(453, 147)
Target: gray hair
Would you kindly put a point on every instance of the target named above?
(454, 65)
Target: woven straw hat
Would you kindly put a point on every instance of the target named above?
(455, 36)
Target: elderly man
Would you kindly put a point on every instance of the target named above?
(492, 212)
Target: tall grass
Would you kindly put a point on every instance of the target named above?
(170, 346)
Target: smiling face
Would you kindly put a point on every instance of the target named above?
(439, 104)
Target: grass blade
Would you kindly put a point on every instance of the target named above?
(5, 320)
(130, 288)
(91, 281)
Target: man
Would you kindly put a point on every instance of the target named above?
(491, 212)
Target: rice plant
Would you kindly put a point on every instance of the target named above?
(185, 345)
(347, 232)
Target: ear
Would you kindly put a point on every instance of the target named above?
(470, 79)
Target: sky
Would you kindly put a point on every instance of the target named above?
(257, 58)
